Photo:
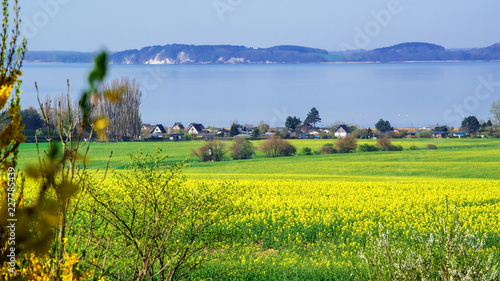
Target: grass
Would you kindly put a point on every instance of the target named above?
(454, 159)
(450, 160)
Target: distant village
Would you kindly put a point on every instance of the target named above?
(196, 131)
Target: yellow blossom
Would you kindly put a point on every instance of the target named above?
(5, 91)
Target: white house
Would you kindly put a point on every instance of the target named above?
(342, 131)
(158, 131)
(195, 129)
(177, 127)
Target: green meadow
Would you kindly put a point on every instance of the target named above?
(453, 158)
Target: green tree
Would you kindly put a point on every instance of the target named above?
(471, 124)
(234, 130)
(31, 119)
(425, 134)
(255, 133)
(292, 122)
(489, 124)
(441, 129)
(312, 117)
(383, 125)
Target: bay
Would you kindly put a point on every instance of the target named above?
(406, 94)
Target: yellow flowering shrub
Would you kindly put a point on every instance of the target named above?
(32, 267)
(5, 91)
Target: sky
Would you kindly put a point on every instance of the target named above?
(91, 25)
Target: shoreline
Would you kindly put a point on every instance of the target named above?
(279, 63)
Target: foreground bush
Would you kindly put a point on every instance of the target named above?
(450, 252)
(211, 151)
(347, 144)
(327, 149)
(431, 146)
(307, 151)
(242, 149)
(368, 147)
(149, 224)
(277, 147)
(397, 147)
(385, 144)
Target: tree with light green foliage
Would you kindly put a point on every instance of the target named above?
(263, 127)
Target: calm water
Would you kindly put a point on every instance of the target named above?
(413, 93)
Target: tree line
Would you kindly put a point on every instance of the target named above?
(124, 119)
(118, 102)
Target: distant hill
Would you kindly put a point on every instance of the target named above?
(416, 51)
(58, 56)
(403, 52)
(229, 54)
(489, 53)
(218, 54)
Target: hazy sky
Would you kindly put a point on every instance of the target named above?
(91, 25)
(328, 24)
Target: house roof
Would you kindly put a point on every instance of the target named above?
(440, 132)
(344, 127)
(197, 127)
(159, 126)
(147, 127)
(222, 130)
(178, 124)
